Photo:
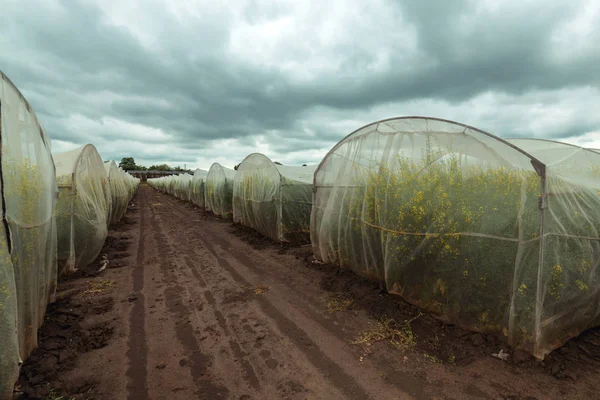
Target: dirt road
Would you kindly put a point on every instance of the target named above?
(192, 307)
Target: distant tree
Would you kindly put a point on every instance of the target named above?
(161, 167)
(277, 162)
(304, 165)
(128, 164)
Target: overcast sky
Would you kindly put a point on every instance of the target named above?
(193, 82)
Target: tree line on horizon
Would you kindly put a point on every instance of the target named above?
(128, 164)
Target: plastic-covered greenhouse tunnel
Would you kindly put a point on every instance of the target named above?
(83, 207)
(183, 187)
(198, 187)
(218, 190)
(28, 237)
(494, 236)
(273, 199)
(119, 191)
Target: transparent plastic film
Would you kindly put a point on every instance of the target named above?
(219, 190)
(120, 191)
(82, 207)
(9, 335)
(446, 215)
(568, 278)
(273, 199)
(131, 182)
(109, 200)
(171, 185)
(28, 237)
(164, 184)
(198, 186)
(183, 190)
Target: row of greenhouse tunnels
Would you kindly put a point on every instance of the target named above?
(57, 209)
(492, 234)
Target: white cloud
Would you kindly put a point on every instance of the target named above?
(589, 140)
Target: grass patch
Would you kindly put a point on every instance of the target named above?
(97, 287)
(55, 396)
(432, 358)
(338, 302)
(399, 335)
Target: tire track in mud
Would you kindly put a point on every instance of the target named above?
(137, 372)
(248, 373)
(240, 344)
(195, 272)
(218, 314)
(199, 363)
(336, 375)
(259, 367)
(294, 349)
(222, 249)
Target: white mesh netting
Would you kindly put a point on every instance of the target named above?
(219, 190)
(82, 209)
(275, 200)
(28, 233)
(490, 235)
(119, 191)
(198, 185)
(183, 187)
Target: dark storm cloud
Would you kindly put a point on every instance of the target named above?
(504, 53)
(69, 61)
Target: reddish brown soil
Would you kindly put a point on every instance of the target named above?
(195, 307)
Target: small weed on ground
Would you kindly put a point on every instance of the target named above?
(97, 287)
(261, 289)
(432, 358)
(55, 396)
(338, 302)
(398, 335)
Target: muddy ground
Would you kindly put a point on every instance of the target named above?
(193, 307)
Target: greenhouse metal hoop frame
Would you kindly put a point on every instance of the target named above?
(595, 151)
(554, 141)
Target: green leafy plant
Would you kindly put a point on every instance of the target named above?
(386, 329)
(463, 242)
